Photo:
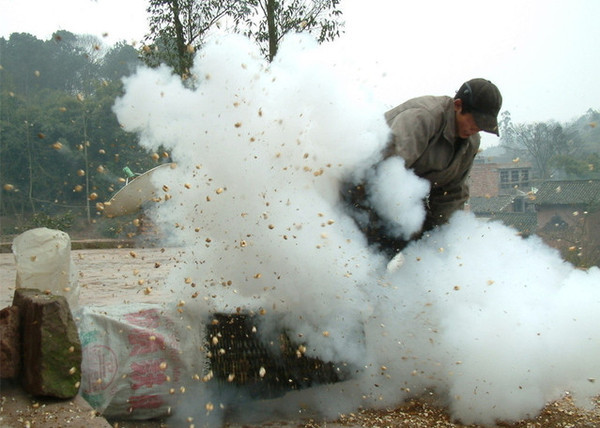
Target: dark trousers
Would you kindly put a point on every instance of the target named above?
(368, 221)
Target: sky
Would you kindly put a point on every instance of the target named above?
(542, 55)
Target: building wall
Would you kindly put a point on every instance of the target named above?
(492, 179)
(484, 180)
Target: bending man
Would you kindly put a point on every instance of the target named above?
(438, 138)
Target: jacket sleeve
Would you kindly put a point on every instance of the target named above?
(412, 130)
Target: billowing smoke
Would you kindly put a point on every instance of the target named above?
(494, 324)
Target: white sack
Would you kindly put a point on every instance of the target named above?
(43, 259)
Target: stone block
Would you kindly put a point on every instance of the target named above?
(50, 343)
(10, 343)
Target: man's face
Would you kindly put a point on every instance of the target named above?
(465, 123)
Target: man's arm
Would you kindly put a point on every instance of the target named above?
(412, 130)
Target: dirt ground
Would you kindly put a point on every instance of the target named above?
(122, 275)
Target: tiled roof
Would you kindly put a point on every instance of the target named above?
(495, 204)
(526, 223)
(568, 192)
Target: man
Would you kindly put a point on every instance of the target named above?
(438, 138)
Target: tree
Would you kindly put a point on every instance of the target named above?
(179, 27)
(59, 63)
(61, 141)
(120, 61)
(538, 142)
(578, 167)
(588, 129)
(270, 20)
(69, 62)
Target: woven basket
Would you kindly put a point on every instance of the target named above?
(265, 368)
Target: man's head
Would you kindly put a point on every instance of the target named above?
(481, 99)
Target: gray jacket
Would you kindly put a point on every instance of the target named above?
(424, 135)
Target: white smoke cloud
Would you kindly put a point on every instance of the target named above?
(508, 322)
(397, 195)
(495, 324)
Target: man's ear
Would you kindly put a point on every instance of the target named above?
(458, 105)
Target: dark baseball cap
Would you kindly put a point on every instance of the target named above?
(483, 100)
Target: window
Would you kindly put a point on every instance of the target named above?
(514, 178)
(556, 223)
(504, 180)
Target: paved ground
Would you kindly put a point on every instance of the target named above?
(115, 275)
(19, 410)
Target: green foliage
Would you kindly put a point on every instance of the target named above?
(118, 62)
(62, 222)
(179, 27)
(556, 150)
(588, 129)
(61, 146)
(119, 227)
(586, 166)
(268, 21)
(33, 64)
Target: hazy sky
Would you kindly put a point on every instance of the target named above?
(542, 54)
